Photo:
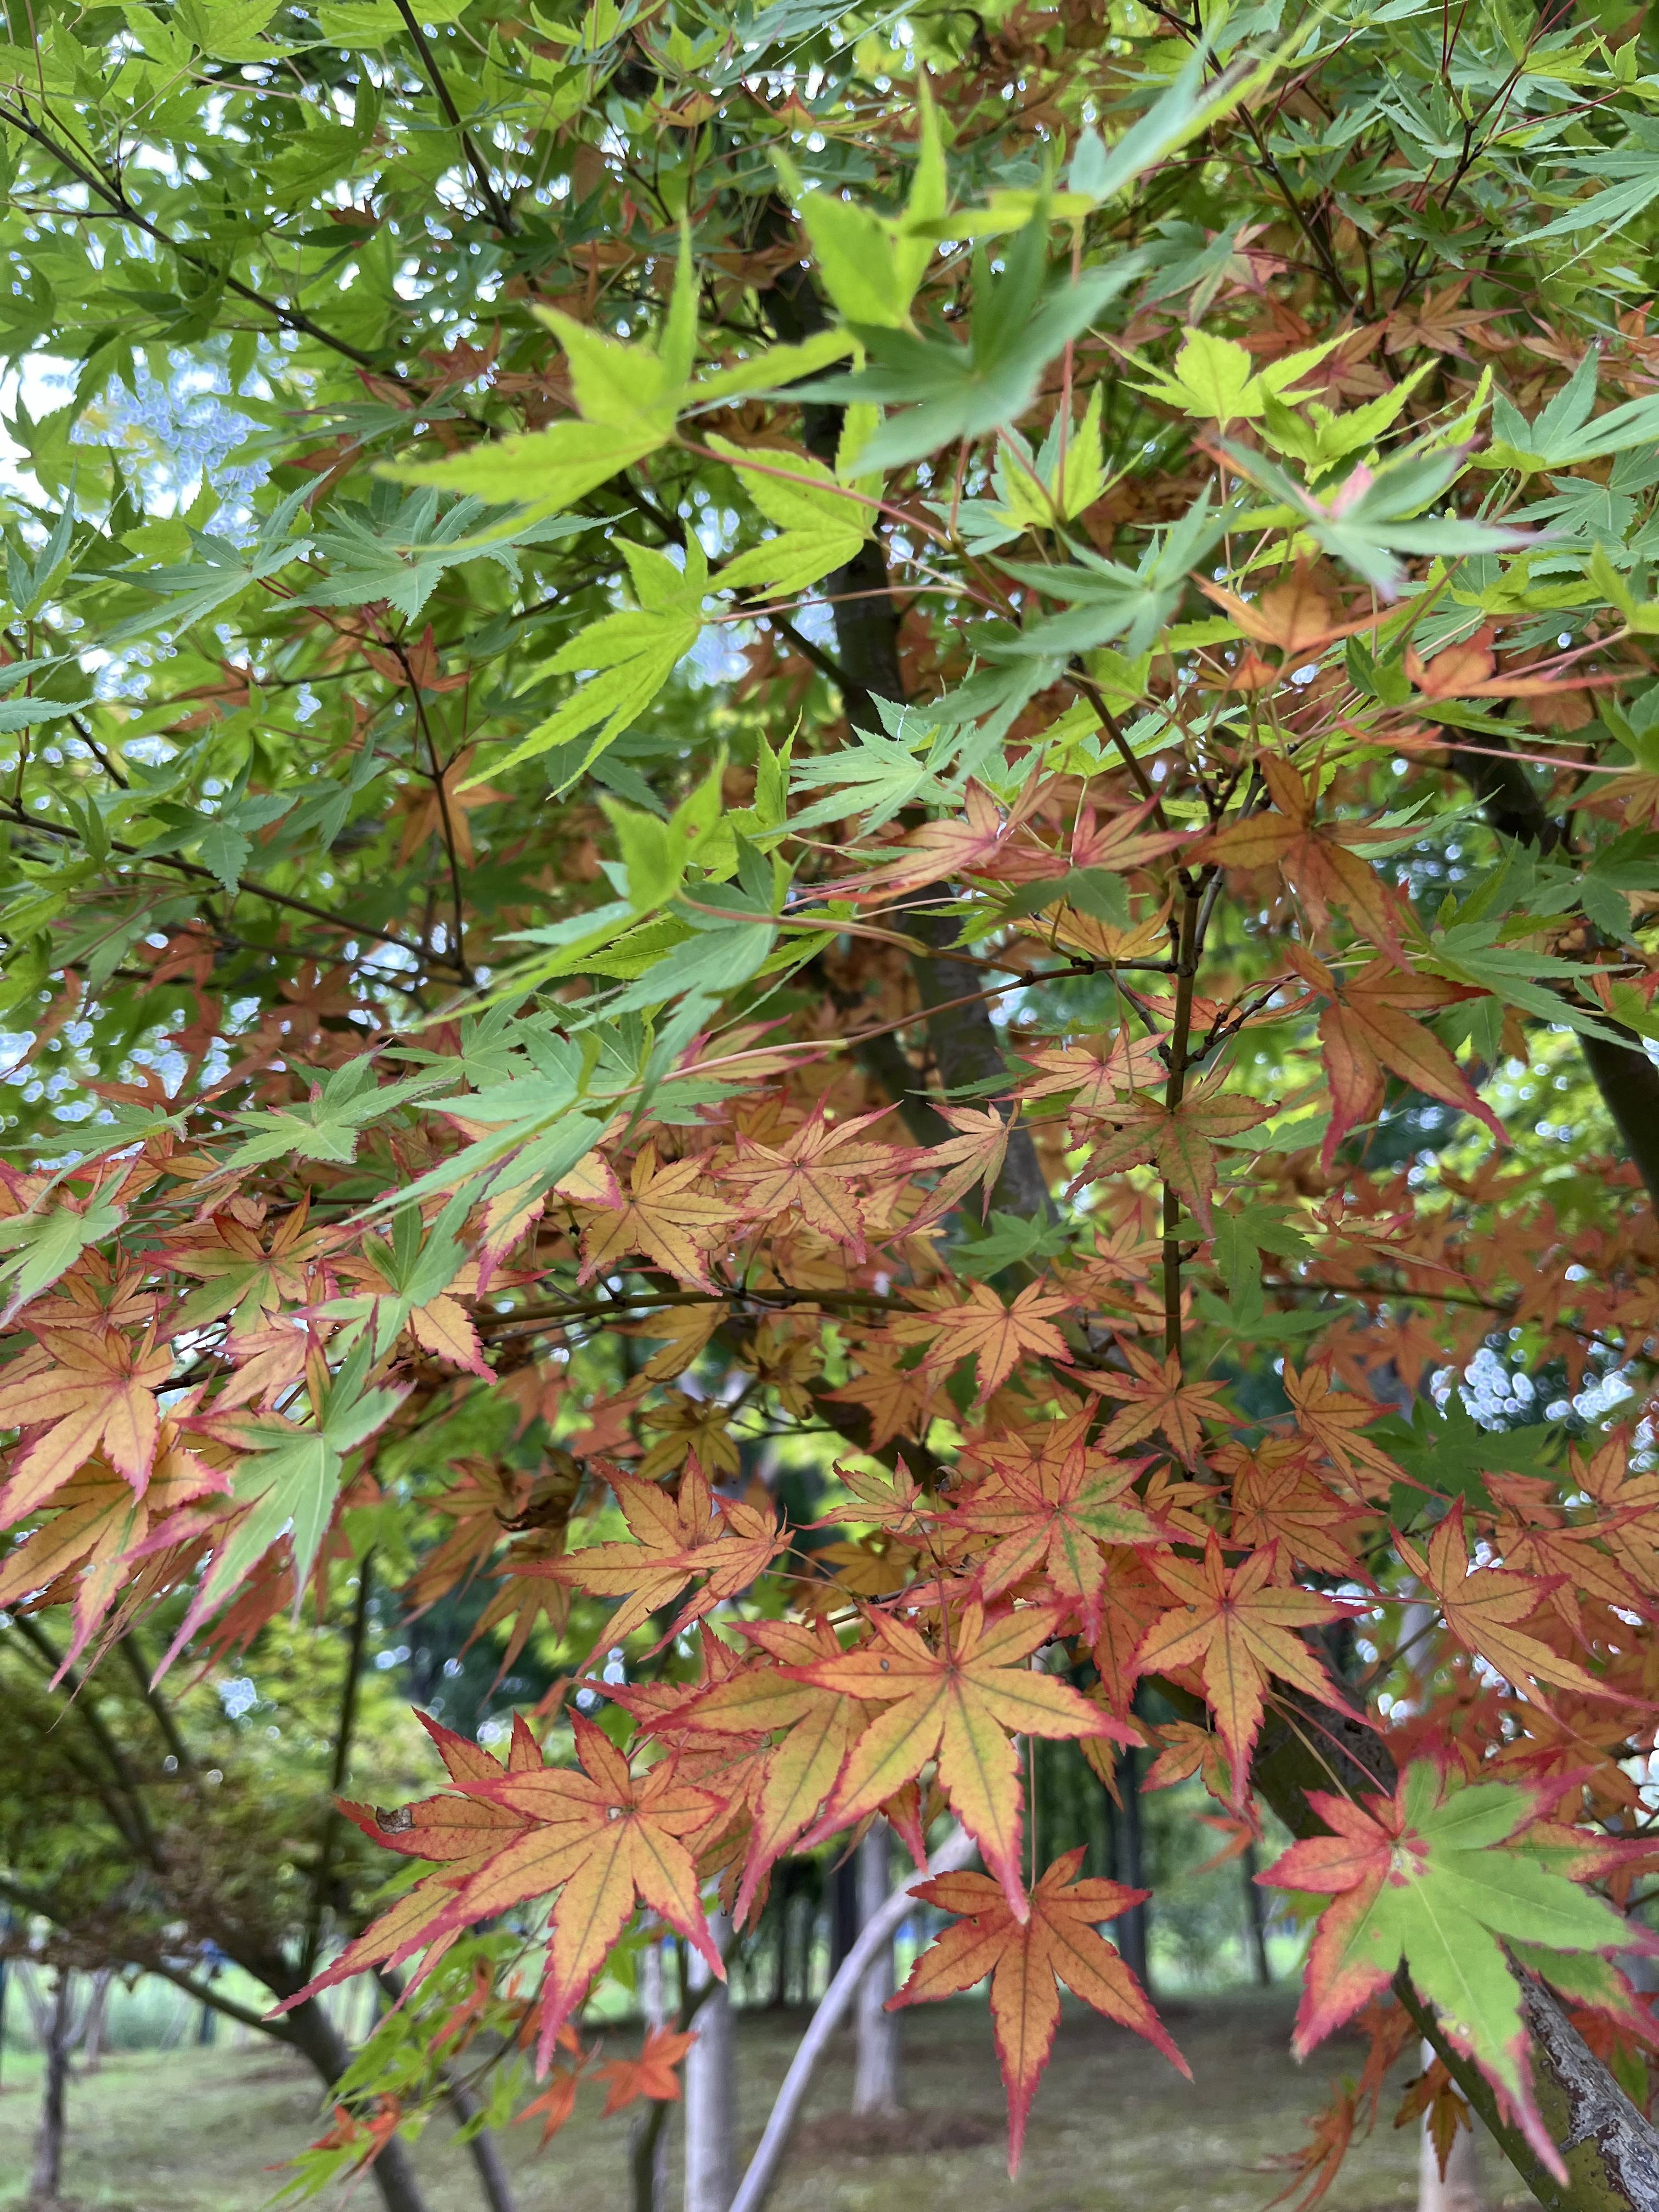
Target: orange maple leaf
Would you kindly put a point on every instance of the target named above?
(813, 1173)
(557, 2101)
(1176, 1138)
(899, 1400)
(1241, 1628)
(1098, 1073)
(651, 2075)
(1316, 2164)
(669, 1214)
(87, 1391)
(1052, 1506)
(460, 1834)
(1161, 1398)
(598, 1835)
(1295, 616)
(1312, 856)
(440, 808)
(99, 1528)
(818, 1728)
(1481, 1606)
(974, 1155)
(982, 841)
(1278, 1498)
(1027, 1958)
(1335, 1421)
(676, 1540)
(960, 1703)
(1366, 1026)
(993, 1335)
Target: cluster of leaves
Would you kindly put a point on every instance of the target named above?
(950, 725)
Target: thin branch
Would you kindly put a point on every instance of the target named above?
(161, 1711)
(501, 213)
(249, 884)
(342, 1759)
(1180, 1040)
(87, 1712)
(291, 318)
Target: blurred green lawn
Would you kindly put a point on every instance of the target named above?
(1114, 2128)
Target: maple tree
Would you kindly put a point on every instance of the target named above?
(828, 850)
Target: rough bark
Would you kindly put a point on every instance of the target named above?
(878, 2058)
(58, 2044)
(710, 2092)
(962, 1039)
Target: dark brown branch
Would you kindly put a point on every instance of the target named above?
(501, 213)
(87, 173)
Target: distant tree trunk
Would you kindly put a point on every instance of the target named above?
(58, 2044)
(483, 2150)
(783, 1886)
(1255, 1913)
(843, 1916)
(648, 2137)
(878, 2077)
(710, 2091)
(1130, 1933)
(1461, 2189)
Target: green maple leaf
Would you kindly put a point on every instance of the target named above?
(1438, 1878)
(631, 654)
(821, 526)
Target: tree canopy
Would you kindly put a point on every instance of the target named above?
(828, 847)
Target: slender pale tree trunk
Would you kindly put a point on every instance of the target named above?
(1461, 2189)
(710, 2091)
(58, 2042)
(957, 1850)
(650, 2189)
(878, 2079)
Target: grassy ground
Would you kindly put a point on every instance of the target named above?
(1114, 2128)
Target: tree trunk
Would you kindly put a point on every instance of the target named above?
(877, 2074)
(1459, 2188)
(58, 2044)
(1130, 1932)
(957, 1850)
(1610, 2149)
(315, 2034)
(1615, 2155)
(710, 2098)
(1255, 1914)
(843, 1901)
(648, 2137)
